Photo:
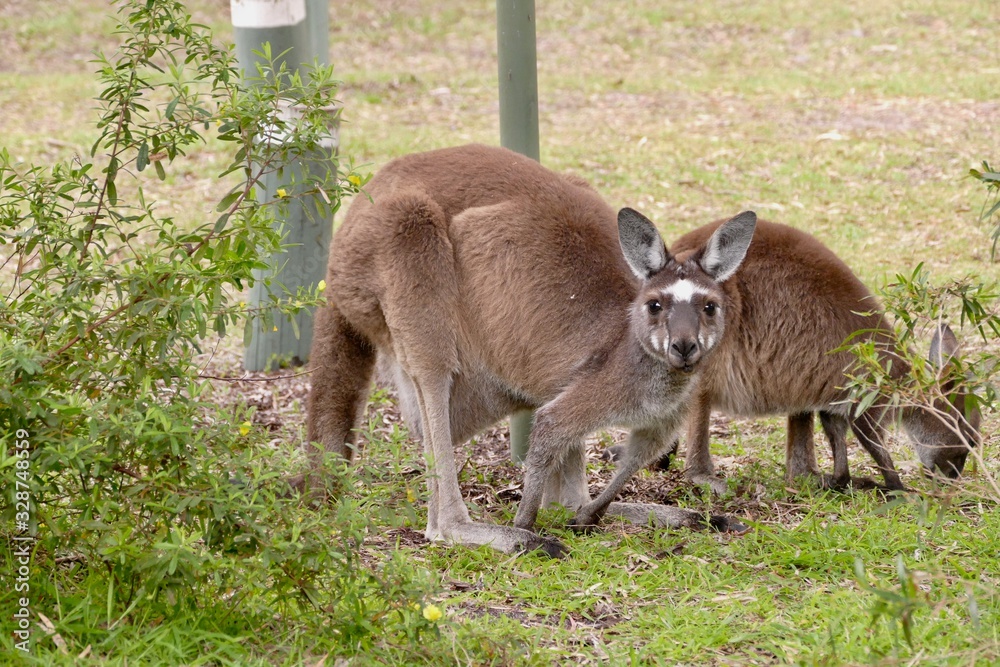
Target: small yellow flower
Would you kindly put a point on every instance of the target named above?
(411, 497)
(243, 304)
(275, 328)
(433, 613)
(320, 286)
(282, 193)
(354, 180)
(244, 428)
(415, 606)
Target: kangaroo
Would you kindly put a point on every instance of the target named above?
(792, 302)
(490, 284)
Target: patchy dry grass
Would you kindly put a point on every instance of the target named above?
(856, 121)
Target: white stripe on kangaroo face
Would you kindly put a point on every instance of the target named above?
(656, 341)
(684, 290)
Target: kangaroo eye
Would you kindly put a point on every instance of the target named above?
(653, 306)
(710, 308)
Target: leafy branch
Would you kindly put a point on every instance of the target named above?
(991, 178)
(108, 301)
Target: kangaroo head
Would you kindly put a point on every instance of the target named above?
(680, 311)
(944, 434)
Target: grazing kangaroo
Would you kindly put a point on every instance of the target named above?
(793, 302)
(492, 285)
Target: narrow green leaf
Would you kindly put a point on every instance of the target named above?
(228, 200)
(248, 331)
(866, 402)
(994, 209)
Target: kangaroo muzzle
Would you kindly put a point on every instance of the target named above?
(683, 353)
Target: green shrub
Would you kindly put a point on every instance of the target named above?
(146, 499)
(916, 304)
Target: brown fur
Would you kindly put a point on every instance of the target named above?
(490, 284)
(793, 302)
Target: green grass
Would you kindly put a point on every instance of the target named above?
(783, 593)
(856, 121)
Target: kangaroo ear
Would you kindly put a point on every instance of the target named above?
(944, 346)
(725, 251)
(641, 243)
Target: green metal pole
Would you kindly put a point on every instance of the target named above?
(297, 31)
(518, 76)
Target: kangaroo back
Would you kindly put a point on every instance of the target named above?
(794, 302)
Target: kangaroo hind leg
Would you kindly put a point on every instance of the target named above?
(870, 432)
(800, 448)
(342, 361)
(567, 484)
(835, 427)
(698, 459)
(422, 314)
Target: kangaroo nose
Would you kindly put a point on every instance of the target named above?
(684, 348)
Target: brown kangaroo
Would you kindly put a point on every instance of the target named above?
(491, 285)
(792, 302)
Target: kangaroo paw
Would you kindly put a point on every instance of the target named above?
(550, 546)
(726, 524)
(582, 526)
(834, 483)
(502, 538)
